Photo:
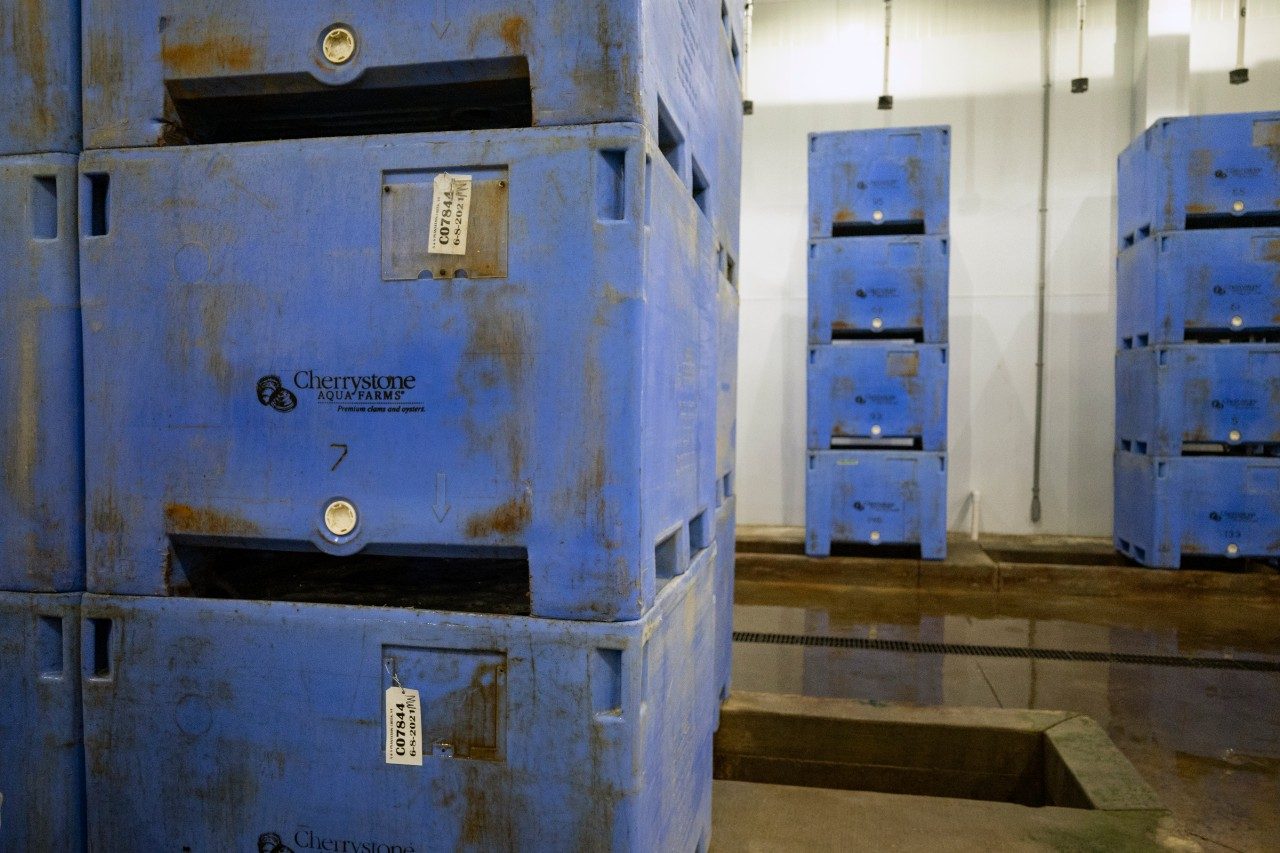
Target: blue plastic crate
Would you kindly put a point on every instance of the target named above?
(549, 394)
(876, 497)
(1208, 171)
(40, 67)
(1221, 506)
(880, 182)
(1199, 285)
(878, 286)
(878, 393)
(1176, 399)
(239, 70)
(41, 753)
(42, 534)
(535, 734)
(727, 370)
(726, 551)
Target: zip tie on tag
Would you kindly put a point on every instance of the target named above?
(395, 676)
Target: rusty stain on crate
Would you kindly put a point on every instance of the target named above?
(40, 561)
(477, 820)
(476, 713)
(216, 304)
(913, 165)
(903, 364)
(32, 52)
(604, 85)
(515, 33)
(213, 53)
(498, 335)
(182, 518)
(496, 355)
(106, 518)
(23, 454)
(506, 519)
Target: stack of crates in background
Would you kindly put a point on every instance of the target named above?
(1197, 464)
(402, 337)
(877, 368)
(41, 484)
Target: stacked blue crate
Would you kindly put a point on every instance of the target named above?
(877, 367)
(449, 381)
(41, 481)
(241, 70)
(517, 449)
(1197, 465)
(532, 734)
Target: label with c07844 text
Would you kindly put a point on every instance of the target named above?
(450, 214)
(404, 726)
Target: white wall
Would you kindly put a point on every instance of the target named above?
(815, 65)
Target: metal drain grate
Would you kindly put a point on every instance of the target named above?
(912, 647)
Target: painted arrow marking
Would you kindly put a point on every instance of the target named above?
(441, 507)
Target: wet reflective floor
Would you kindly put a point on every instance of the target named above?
(1207, 739)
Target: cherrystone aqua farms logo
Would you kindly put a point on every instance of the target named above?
(356, 392)
(306, 838)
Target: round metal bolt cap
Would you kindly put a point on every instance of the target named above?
(1233, 549)
(878, 216)
(338, 44)
(875, 536)
(877, 323)
(340, 517)
(875, 430)
(1234, 435)
(1237, 321)
(1237, 206)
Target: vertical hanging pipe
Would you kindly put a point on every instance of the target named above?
(1240, 74)
(886, 100)
(1080, 7)
(1042, 250)
(1244, 11)
(1080, 83)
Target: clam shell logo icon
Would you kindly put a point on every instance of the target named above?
(271, 392)
(270, 842)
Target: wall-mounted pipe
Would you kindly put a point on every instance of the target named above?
(1046, 26)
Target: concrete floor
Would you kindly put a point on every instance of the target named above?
(781, 819)
(1207, 740)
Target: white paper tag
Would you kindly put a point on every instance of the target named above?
(450, 214)
(404, 727)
